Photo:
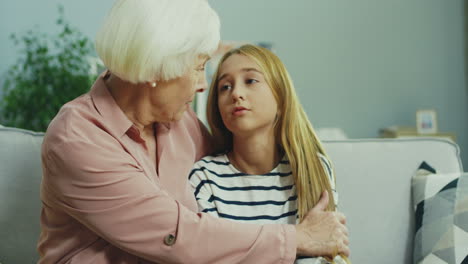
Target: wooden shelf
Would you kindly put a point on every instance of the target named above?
(409, 132)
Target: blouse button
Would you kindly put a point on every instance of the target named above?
(169, 240)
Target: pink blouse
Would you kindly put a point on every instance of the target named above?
(105, 202)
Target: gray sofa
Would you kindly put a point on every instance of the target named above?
(373, 181)
(20, 177)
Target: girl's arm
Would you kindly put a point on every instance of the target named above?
(202, 187)
(331, 176)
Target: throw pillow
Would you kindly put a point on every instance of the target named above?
(441, 213)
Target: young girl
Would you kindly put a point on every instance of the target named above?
(268, 165)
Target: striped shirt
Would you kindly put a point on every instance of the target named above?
(223, 191)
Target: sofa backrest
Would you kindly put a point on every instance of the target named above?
(20, 177)
(374, 185)
(373, 181)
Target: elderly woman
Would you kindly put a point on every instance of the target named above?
(116, 160)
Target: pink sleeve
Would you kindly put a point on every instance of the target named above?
(102, 187)
(204, 140)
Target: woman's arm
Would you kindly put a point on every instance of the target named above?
(103, 188)
(204, 140)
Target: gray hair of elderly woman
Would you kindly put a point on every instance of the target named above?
(147, 40)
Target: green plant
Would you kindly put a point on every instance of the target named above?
(51, 71)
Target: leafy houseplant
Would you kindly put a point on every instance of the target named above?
(50, 72)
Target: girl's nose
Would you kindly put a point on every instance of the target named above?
(237, 93)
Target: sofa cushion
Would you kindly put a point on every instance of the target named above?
(20, 177)
(373, 179)
(441, 213)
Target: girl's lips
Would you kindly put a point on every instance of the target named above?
(239, 111)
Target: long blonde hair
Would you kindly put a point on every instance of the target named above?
(293, 131)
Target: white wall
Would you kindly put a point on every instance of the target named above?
(360, 65)
(365, 64)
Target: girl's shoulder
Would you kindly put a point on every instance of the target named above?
(211, 167)
(326, 165)
(212, 161)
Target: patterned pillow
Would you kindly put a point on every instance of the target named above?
(441, 212)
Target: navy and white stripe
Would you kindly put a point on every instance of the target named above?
(243, 197)
(223, 191)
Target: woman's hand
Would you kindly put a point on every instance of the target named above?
(322, 233)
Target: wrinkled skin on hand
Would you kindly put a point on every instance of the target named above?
(322, 233)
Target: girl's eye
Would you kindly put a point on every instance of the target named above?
(224, 87)
(251, 81)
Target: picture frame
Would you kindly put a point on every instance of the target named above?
(426, 121)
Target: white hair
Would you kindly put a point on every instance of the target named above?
(148, 40)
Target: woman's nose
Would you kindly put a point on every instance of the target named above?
(201, 89)
(201, 84)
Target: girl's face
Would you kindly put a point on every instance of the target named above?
(245, 100)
